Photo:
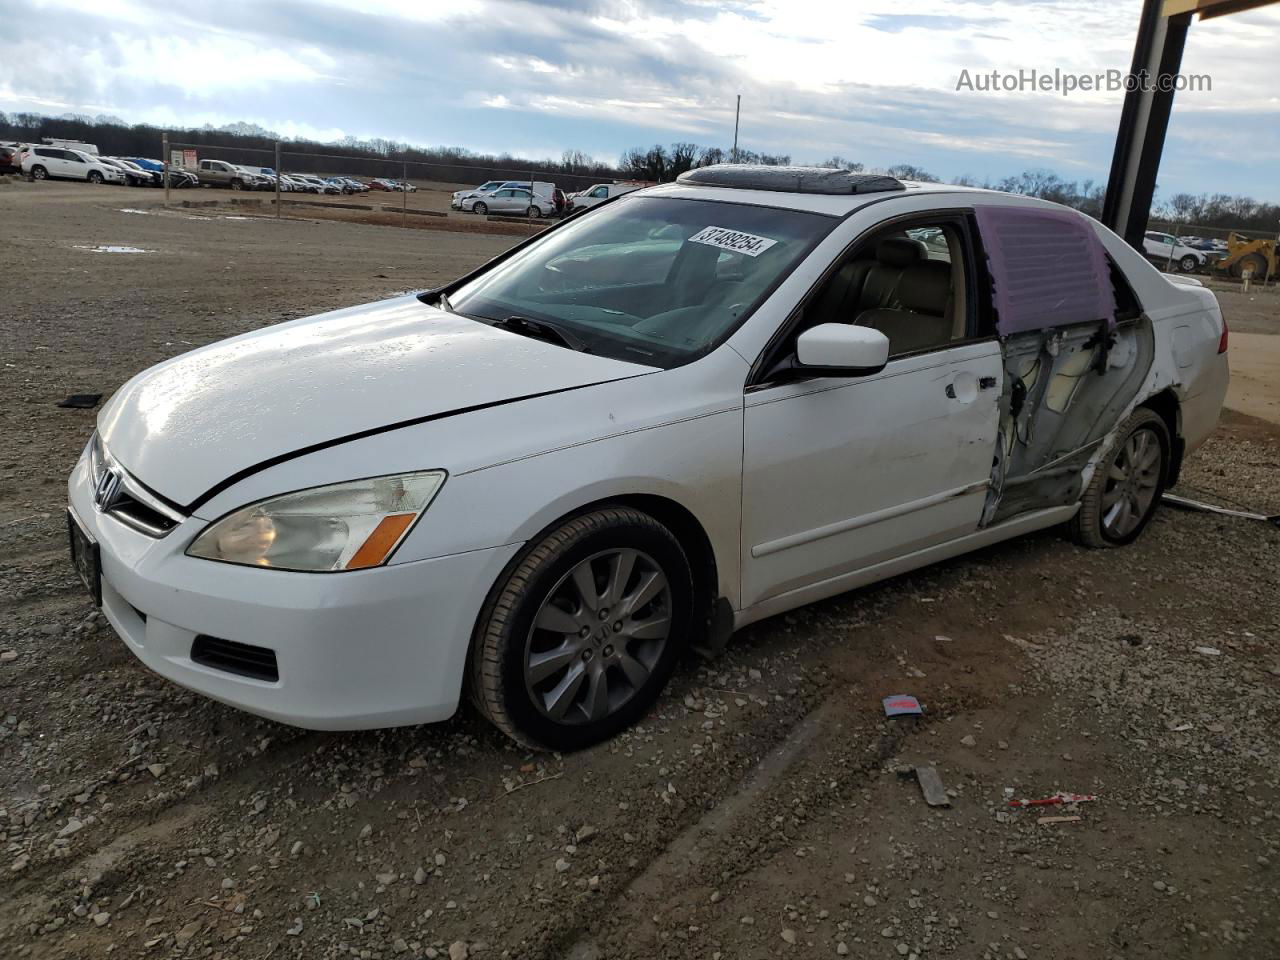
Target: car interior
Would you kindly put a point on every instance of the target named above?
(909, 284)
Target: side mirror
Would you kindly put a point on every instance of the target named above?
(842, 350)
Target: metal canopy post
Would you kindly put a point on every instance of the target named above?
(1144, 122)
(164, 160)
(1144, 119)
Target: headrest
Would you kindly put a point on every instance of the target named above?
(900, 252)
(926, 287)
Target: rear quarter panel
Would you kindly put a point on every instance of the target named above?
(1187, 323)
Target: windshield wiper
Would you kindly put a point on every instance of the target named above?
(542, 330)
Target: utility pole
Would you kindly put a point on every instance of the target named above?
(164, 159)
(277, 179)
(737, 114)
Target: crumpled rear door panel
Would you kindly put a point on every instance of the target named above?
(1065, 389)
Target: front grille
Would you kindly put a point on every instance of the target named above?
(242, 659)
(141, 517)
(119, 495)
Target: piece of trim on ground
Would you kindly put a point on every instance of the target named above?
(1199, 506)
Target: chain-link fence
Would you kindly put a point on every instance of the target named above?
(367, 188)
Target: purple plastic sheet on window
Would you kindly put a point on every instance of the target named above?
(1048, 269)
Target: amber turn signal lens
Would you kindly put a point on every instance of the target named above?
(385, 536)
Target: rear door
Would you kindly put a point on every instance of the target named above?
(74, 165)
(843, 473)
(502, 201)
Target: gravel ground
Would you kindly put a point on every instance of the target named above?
(765, 809)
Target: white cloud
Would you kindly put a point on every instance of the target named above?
(869, 80)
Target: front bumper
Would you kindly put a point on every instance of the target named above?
(360, 649)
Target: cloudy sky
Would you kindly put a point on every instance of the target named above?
(858, 78)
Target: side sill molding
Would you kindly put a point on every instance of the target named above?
(865, 520)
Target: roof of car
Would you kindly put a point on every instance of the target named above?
(833, 204)
(788, 179)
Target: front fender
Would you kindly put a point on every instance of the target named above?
(695, 463)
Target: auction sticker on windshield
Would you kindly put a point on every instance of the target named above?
(735, 240)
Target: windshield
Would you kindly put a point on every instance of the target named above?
(648, 279)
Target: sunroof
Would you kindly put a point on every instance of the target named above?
(789, 179)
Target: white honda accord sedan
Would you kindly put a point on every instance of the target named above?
(686, 409)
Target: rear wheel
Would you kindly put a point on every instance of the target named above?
(579, 638)
(95, 177)
(40, 173)
(535, 213)
(480, 207)
(1124, 492)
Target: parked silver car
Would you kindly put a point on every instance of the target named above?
(509, 200)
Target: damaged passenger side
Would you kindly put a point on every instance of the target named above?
(1076, 346)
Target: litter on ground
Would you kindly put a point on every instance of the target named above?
(1057, 798)
(81, 401)
(1200, 506)
(935, 794)
(902, 705)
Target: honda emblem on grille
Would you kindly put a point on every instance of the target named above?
(107, 491)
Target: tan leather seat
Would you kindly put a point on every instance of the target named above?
(921, 318)
(867, 283)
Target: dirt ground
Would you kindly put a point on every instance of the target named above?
(762, 810)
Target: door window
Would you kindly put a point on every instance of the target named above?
(600, 192)
(911, 283)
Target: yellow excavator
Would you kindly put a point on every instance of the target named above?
(1243, 253)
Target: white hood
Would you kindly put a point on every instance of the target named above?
(186, 424)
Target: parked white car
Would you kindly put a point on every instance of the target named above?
(600, 193)
(488, 186)
(1165, 248)
(704, 404)
(45, 163)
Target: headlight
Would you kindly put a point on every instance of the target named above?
(344, 526)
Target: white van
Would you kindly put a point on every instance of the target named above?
(89, 148)
(600, 193)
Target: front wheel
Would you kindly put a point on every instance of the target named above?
(1188, 264)
(95, 177)
(1125, 490)
(578, 639)
(480, 208)
(237, 185)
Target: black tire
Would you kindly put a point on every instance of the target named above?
(39, 172)
(535, 213)
(1188, 264)
(1251, 262)
(505, 629)
(1089, 527)
(237, 184)
(95, 178)
(480, 208)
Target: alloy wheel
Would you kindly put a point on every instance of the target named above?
(597, 636)
(1132, 481)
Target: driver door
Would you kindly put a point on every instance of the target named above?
(843, 473)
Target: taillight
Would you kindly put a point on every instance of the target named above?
(1222, 341)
